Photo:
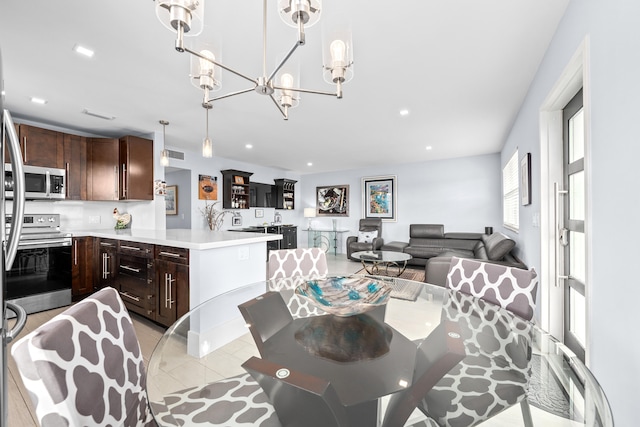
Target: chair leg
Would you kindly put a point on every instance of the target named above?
(526, 413)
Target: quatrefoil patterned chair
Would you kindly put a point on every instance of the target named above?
(305, 262)
(495, 373)
(84, 367)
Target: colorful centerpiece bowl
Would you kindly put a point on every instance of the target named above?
(345, 296)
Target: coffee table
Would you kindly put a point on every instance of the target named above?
(382, 259)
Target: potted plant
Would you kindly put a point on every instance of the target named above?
(213, 216)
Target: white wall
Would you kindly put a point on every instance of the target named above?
(463, 194)
(182, 180)
(614, 34)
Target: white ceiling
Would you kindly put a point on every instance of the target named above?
(461, 67)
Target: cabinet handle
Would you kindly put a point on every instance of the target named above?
(126, 294)
(171, 254)
(105, 266)
(75, 252)
(106, 244)
(24, 148)
(126, 267)
(133, 248)
(124, 182)
(66, 167)
(115, 177)
(168, 279)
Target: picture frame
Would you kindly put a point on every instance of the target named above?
(207, 187)
(380, 197)
(171, 200)
(259, 213)
(236, 220)
(332, 200)
(238, 179)
(525, 180)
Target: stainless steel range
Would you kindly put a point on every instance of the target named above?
(40, 276)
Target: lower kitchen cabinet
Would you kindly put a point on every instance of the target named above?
(289, 237)
(82, 267)
(172, 279)
(135, 280)
(105, 264)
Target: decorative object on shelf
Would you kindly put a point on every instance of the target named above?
(164, 155)
(214, 217)
(185, 17)
(207, 187)
(171, 200)
(259, 213)
(379, 197)
(332, 200)
(159, 187)
(207, 144)
(345, 296)
(277, 218)
(525, 180)
(123, 221)
(309, 213)
(237, 219)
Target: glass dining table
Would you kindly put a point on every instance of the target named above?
(263, 355)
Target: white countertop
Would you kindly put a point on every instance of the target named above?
(182, 238)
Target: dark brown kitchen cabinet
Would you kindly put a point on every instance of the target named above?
(172, 278)
(236, 189)
(285, 193)
(81, 267)
(105, 264)
(103, 157)
(75, 164)
(135, 279)
(120, 169)
(41, 147)
(136, 168)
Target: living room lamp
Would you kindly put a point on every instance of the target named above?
(309, 213)
(184, 17)
(164, 154)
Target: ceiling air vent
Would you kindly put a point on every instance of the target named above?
(98, 115)
(176, 154)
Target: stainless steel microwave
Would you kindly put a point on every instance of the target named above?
(40, 182)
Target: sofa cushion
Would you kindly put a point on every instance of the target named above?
(497, 245)
(423, 251)
(480, 252)
(367, 236)
(426, 231)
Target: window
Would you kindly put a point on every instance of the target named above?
(510, 193)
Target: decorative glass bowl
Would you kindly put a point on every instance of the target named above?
(345, 296)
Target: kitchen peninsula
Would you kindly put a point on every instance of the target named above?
(148, 266)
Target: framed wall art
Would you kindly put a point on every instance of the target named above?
(379, 197)
(332, 200)
(525, 180)
(207, 187)
(171, 200)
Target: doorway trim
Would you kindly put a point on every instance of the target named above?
(576, 75)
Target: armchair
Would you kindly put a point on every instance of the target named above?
(358, 243)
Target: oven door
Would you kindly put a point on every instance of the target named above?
(40, 276)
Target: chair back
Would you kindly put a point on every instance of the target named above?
(306, 262)
(265, 316)
(512, 288)
(84, 367)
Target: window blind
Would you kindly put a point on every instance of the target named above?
(510, 193)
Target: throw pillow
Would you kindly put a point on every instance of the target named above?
(367, 236)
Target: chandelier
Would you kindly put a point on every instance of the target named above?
(185, 17)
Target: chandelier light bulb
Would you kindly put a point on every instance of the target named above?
(286, 80)
(207, 148)
(206, 67)
(338, 53)
(164, 158)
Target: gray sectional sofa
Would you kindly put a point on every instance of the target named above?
(431, 247)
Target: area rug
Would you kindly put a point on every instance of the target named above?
(416, 274)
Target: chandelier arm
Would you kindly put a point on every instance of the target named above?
(284, 60)
(237, 73)
(228, 95)
(297, 89)
(284, 114)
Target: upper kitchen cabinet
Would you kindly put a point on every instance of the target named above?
(103, 157)
(285, 193)
(136, 168)
(120, 169)
(41, 147)
(75, 164)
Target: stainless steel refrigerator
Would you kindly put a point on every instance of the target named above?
(9, 139)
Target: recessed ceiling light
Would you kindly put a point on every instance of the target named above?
(38, 100)
(248, 146)
(83, 51)
(309, 164)
(404, 112)
(429, 148)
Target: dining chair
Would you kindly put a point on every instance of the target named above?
(84, 367)
(305, 262)
(299, 399)
(495, 373)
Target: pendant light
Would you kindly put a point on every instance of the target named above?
(207, 145)
(164, 156)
